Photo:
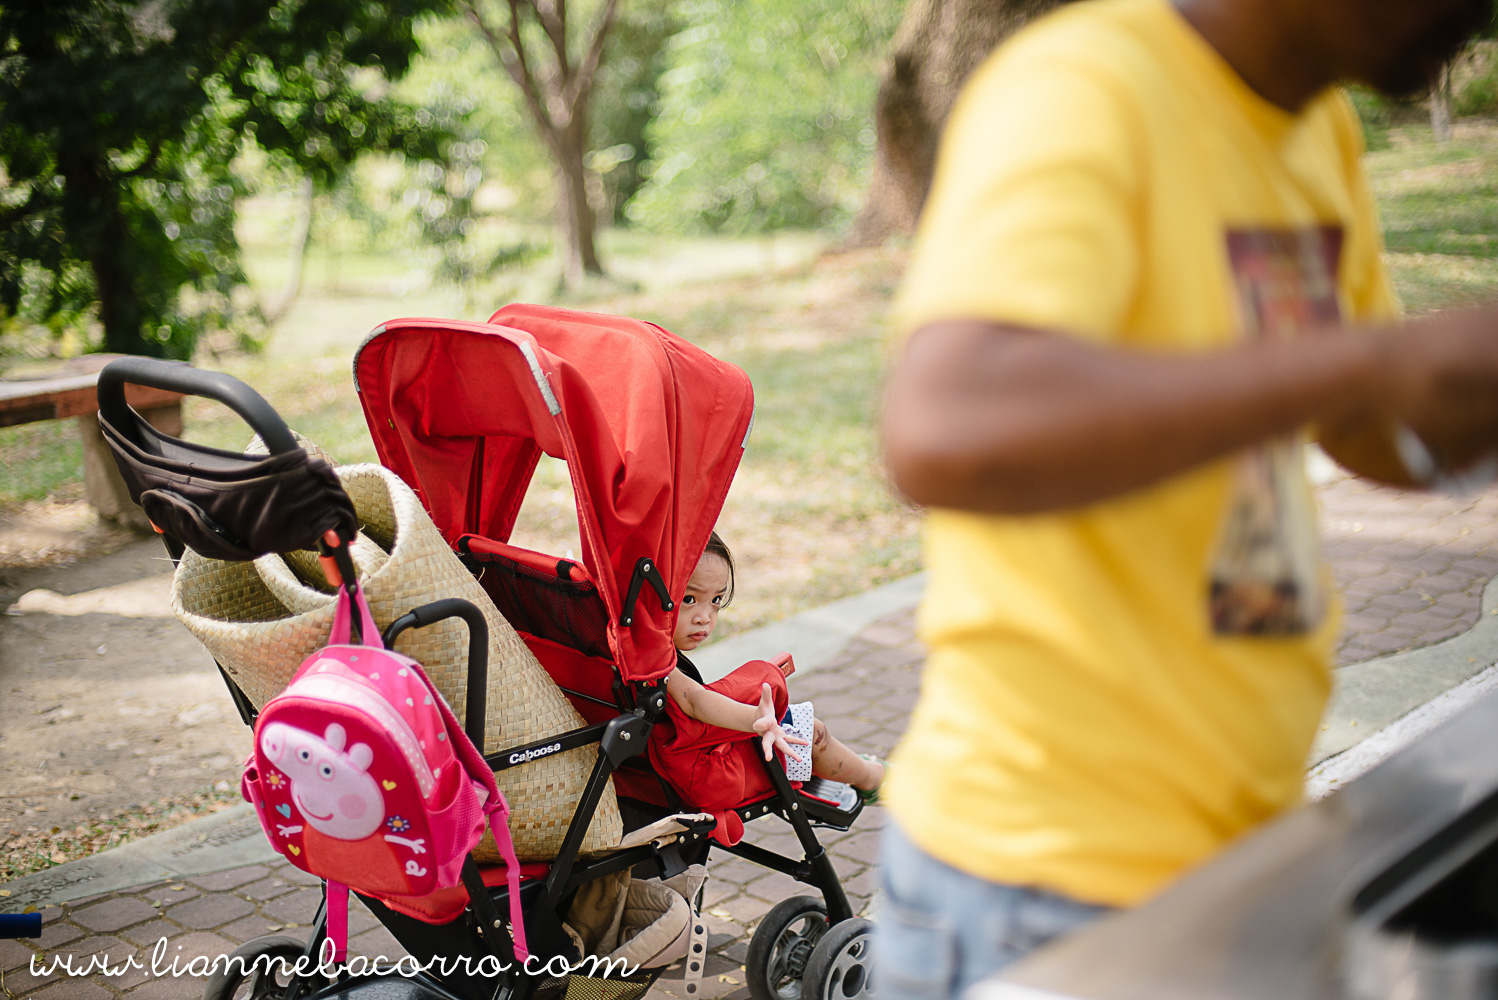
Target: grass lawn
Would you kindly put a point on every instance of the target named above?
(1439, 205)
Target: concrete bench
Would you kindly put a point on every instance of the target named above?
(68, 390)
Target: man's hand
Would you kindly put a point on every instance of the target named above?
(772, 737)
(1444, 382)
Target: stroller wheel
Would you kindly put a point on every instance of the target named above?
(781, 946)
(243, 979)
(841, 966)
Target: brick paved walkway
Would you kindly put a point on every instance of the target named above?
(1412, 567)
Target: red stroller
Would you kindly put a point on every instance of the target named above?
(652, 430)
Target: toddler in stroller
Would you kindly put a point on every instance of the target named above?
(651, 429)
(709, 590)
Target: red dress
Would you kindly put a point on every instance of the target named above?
(715, 769)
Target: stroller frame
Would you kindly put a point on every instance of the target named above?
(621, 729)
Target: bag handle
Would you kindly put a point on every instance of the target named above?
(369, 633)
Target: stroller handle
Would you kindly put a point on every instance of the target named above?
(177, 377)
(478, 652)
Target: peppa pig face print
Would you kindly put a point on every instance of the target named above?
(331, 787)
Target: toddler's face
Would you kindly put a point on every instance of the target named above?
(698, 614)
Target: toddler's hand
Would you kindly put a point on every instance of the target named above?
(772, 737)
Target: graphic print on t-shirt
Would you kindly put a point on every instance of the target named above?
(1265, 571)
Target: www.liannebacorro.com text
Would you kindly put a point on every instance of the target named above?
(159, 965)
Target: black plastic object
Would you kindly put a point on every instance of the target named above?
(780, 947)
(645, 572)
(841, 966)
(20, 925)
(1427, 925)
(220, 504)
(176, 377)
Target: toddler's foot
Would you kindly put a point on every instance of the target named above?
(870, 795)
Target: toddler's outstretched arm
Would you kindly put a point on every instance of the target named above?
(716, 709)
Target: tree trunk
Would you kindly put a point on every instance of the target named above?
(938, 45)
(557, 97)
(578, 219)
(97, 223)
(1440, 105)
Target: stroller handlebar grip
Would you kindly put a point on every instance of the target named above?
(478, 653)
(175, 376)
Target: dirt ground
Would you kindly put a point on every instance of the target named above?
(105, 712)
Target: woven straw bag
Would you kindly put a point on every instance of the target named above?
(261, 620)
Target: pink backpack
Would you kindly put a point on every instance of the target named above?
(361, 775)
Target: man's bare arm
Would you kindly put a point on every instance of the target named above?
(1002, 419)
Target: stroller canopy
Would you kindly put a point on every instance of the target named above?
(651, 427)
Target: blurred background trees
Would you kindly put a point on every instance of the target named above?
(765, 118)
(470, 144)
(939, 44)
(553, 54)
(119, 126)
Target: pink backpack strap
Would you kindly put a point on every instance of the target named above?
(495, 805)
(498, 811)
(336, 922)
(369, 632)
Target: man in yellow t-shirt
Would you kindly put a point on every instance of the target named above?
(1148, 263)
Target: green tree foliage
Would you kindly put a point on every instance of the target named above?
(480, 206)
(627, 98)
(766, 117)
(119, 121)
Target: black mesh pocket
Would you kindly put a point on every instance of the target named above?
(546, 605)
(596, 987)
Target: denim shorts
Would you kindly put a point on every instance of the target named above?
(941, 930)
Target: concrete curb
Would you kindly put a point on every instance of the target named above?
(1335, 772)
(228, 839)
(1371, 695)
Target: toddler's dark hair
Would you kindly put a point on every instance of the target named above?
(716, 546)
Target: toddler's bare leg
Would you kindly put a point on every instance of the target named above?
(832, 760)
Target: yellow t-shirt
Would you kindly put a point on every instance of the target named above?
(1080, 726)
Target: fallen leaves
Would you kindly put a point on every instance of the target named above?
(31, 850)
